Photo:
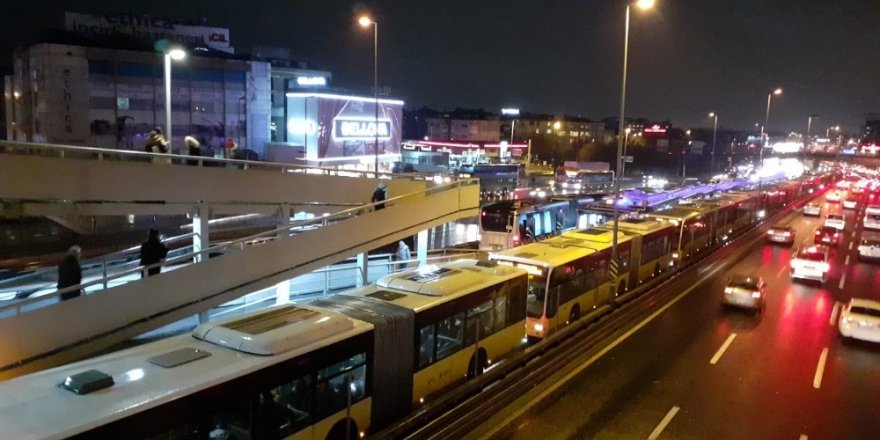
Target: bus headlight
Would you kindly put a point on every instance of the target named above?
(539, 327)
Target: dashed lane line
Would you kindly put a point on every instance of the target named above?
(846, 261)
(723, 348)
(834, 311)
(820, 369)
(668, 418)
(842, 282)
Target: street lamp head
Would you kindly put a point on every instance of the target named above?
(365, 21)
(557, 125)
(711, 114)
(628, 130)
(177, 54)
(645, 4)
(688, 132)
(777, 91)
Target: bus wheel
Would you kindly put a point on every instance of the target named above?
(338, 430)
(478, 363)
(575, 313)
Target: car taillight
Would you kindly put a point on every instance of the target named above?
(787, 234)
(824, 267)
(756, 294)
(771, 232)
(835, 235)
(817, 232)
(516, 238)
(728, 290)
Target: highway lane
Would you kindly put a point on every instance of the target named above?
(771, 380)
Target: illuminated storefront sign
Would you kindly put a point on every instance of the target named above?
(311, 80)
(345, 128)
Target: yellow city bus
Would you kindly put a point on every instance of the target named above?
(464, 316)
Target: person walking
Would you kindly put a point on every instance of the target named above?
(403, 255)
(194, 147)
(156, 143)
(379, 195)
(70, 273)
(152, 252)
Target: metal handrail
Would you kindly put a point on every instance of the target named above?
(287, 231)
(144, 156)
(91, 263)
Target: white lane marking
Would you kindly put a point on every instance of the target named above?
(846, 261)
(834, 311)
(820, 369)
(577, 370)
(850, 245)
(802, 437)
(781, 271)
(723, 348)
(842, 282)
(659, 429)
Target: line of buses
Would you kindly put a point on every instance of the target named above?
(353, 363)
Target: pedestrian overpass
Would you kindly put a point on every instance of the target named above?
(41, 332)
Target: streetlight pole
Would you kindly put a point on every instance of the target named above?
(176, 54)
(642, 4)
(807, 137)
(714, 138)
(765, 132)
(366, 21)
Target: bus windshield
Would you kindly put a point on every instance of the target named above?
(537, 293)
(495, 218)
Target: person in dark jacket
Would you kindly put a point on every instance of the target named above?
(69, 273)
(194, 147)
(152, 252)
(379, 195)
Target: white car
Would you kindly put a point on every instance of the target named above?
(850, 204)
(873, 209)
(833, 197)
(813, 209)
(811, 263)
(869, 248)
(860, 319)
(836, 221)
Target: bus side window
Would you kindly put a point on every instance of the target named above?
(480, 316)
(449, 335)
(552, 300)
(516, 302)
(296, 397)
(500, 310)
(337, 381)
(426, 345)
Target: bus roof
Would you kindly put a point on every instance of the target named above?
(35, 407)
(545, 253)
(678, 213)
(598, 238)
(430, 285)
(642, 226)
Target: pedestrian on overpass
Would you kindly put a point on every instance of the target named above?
(194, 147)
(402, 255)
(379, 195)
(70, 273)
(152, 253)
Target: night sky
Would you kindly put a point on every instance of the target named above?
(688, 57)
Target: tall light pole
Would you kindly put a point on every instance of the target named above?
(714, 138)
(625, 140)
(366, 21)
(643, 5)
(176, 54)
(765, 129)
(807, 137)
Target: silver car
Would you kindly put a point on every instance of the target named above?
(745, 291)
